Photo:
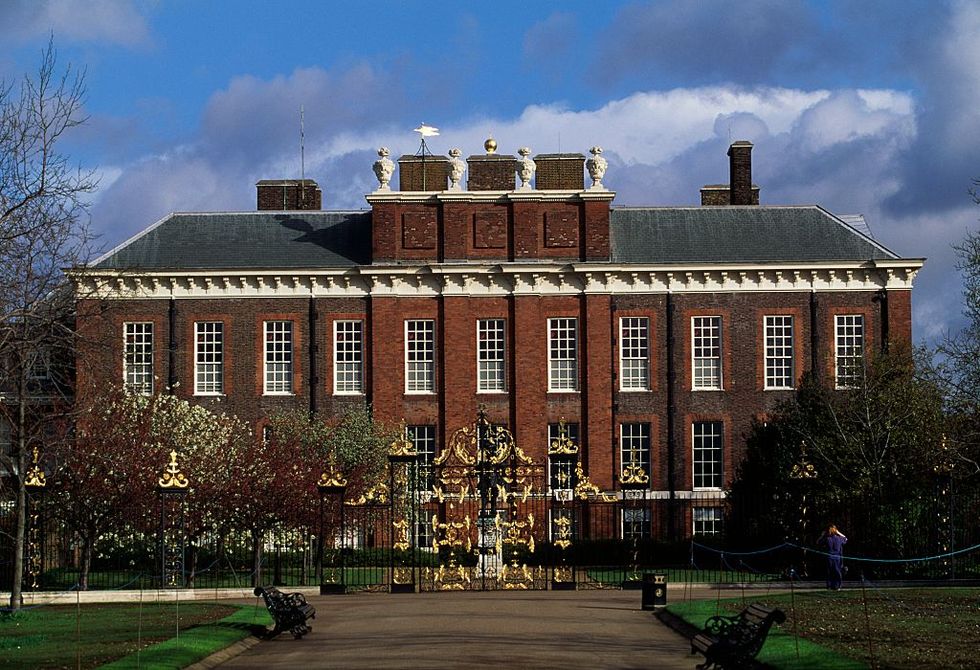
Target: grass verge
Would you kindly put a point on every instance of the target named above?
(59, 636)
(890, 628)
(198, 642)
(780, 650)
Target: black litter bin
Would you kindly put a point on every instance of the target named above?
(654, 590)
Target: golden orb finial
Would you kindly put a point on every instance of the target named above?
(490, 145)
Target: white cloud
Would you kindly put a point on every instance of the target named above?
(840, 149)
(115, 21)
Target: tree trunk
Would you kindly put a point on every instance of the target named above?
(86, 566)
(256, 558)
(193, 550)
(20, 513)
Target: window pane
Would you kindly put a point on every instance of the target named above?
(849, 349)
(779, 352)
(208, 357)
(419, 356)
(634, 446)
(138, 358)
(707, 520)
(636, 523)
(562, 473)
(634, 353)
(490, 354)
(706, 348)
(708, 442)
(278, 356)
(424, 440)
(348, 361)
(562, 354)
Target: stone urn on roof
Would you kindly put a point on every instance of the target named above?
(597, 168)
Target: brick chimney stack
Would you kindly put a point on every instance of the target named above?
(288, 195)
(740, 175)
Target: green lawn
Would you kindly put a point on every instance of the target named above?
(906, 628)
(57, 636)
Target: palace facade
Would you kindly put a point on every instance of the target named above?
(656, 333)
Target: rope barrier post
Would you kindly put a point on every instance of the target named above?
(721, 571)
(792, 607)
(139, 629)
(867, 624)
(78, 629)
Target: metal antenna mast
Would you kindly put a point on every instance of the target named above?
(302, 159)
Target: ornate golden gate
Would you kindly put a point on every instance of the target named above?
(483, 517)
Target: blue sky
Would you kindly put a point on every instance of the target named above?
(863, 106)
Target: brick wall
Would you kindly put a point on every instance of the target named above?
(415, 174)
(288, 194)
(559, 172)
(522, 229)
(527, 407)
(495, 172)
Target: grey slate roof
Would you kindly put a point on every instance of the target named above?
(647, 235)
(751, 234)
(248, 240)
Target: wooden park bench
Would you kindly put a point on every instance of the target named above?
(289, 610)
(732, 642)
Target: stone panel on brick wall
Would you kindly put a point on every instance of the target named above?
(419, 230)
(561, 229)
(489, 230)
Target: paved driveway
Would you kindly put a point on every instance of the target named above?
(573, 629)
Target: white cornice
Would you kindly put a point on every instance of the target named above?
(497, 279)
(530, 195)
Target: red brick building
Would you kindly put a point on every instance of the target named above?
(657, 333)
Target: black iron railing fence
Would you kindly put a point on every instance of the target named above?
(587, 543)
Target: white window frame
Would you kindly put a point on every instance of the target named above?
(563, 355)
(138, 371)
(646, 523)
(572, 430)
(707, 370)
(780, 351)
(701, 517)
(555, 513)
(420, 356)
(39, 368)
(277, 362)
(491, 351)
(849, 330)
(634, 353)
(209, 359)
(635, 446)
(348, 357)
(707, 459)
(423, 438)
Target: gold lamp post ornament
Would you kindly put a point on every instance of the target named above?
(402, 449)
(634, 475)
(34, 477)
(562, 445)
(172, 477)
(331, 481)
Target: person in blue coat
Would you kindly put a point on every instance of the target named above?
(834, 540)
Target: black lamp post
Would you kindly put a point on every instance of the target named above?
(945, 512)
(805, 474)
(563, 461)
(172, 489)
(34, 483)
(401, 471)
(332, 486)
(489, 480)
(633, 481)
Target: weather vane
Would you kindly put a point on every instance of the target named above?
(425, 131)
